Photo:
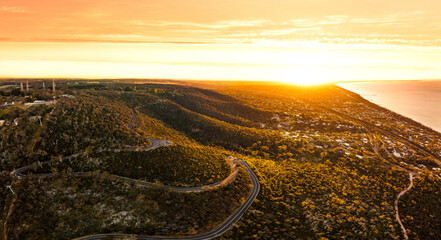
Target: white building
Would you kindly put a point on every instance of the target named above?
(40, 102)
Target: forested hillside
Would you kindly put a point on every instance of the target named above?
(174, 165)
(330, 164)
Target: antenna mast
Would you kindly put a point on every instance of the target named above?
(53, 88)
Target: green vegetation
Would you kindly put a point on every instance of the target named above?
(18, 141)
(69, 207)
(330, 163)
(175, 165)
(85, 123)
(421, 208)
(223, 109)
(131, 99)
(7, 86)
(217, 133)
(332, 198)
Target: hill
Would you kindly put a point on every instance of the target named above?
(330, 164)
(172, 165)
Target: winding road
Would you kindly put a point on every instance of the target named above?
(156, 143)
(411, 173)
(397, 214)
(219, 231)
(435, 157)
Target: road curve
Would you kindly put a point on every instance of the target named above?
(155, 143)
(397, 214)
(397, 199)
(219, 231)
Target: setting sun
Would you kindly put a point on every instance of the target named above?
(220, 119)
(307, 76)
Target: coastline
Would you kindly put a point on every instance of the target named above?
(384, 108)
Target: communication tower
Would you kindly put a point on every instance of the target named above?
(53, 88)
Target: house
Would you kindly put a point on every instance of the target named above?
(40, 102)
(6, 104)
(34, 118)
(276, 118)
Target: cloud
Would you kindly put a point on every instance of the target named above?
(214, 25)
(277, 32)
(107, 24)
(242, 23)
(12, 9)
(335, 19)
(395, 18)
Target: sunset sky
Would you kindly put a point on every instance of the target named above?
(283, 40)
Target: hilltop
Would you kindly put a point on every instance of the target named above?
(330, 164)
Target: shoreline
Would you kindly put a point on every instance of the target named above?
(410, 120)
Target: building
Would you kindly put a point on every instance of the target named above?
(6, 104)
(40, 102)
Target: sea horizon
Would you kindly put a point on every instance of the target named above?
(414, 99)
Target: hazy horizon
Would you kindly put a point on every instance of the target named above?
(417, 100)
(223, 119)
(288, 41)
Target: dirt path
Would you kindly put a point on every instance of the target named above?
(156, 143)
(397, 199)
(397, 214)
(5, 224)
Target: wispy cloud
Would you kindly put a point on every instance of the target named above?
(119, 21)
(214, 25)
(398, 29)
(12, 9)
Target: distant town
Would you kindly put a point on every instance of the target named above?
(112, 159)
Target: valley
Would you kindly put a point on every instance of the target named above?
(166, 159)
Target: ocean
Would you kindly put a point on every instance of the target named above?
(418, 100)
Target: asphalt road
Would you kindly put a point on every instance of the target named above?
(397, 199)
(219, 231)
(390, 134)
(133, 119)
(155, 143)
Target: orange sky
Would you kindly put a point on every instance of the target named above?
(287, 40)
